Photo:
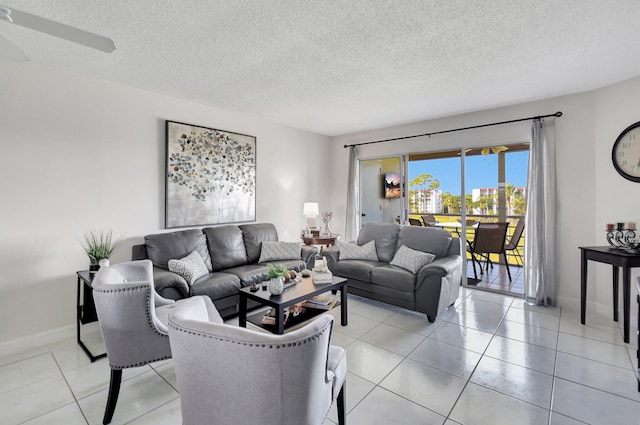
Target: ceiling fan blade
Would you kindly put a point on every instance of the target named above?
(9, 52)
(59, 30)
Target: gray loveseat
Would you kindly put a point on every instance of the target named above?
(231, 254)
(433, 287)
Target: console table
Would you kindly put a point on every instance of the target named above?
(617, 258)
(85, 310)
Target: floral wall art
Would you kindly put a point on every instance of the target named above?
(211, 176)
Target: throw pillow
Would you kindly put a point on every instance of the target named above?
(191, 267)
(410, 259)
(349, 251)
(274, 251)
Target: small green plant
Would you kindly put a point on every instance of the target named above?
(276, 271)
(100, 244)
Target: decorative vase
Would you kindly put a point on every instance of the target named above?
(326, 230)
(276, 285)
(104, 263)
(93, 268)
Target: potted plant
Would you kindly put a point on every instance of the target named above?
(276, 274)
(99, 245)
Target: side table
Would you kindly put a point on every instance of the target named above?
(320, 240)
(85, 310)
(616, 258)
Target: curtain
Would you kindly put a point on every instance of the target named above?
(351, 228)
(540, 220)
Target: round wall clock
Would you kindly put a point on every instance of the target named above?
(626, 153)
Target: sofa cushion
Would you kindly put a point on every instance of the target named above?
(226, 246)
(191, 267)
(273, 251)
(394, 277)
(254, 234)
(385, 235)
(216, 285)
(163, 247)
(349, 251)
(357, 269)
(410, 259)
(426, 239)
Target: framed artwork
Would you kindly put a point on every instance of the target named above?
(210, 176)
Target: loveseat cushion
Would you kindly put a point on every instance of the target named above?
(163, 247)
(357, 269)
(385, 235)
(216, 285)
(254, 234)
(393, 277)
(226, 246)
(426, 239)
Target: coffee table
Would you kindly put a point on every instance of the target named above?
(294, 294)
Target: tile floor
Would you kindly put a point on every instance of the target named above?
(490, 360)
(497, 278)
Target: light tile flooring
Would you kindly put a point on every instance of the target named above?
(490, 360)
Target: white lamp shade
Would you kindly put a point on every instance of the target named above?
(311, 209)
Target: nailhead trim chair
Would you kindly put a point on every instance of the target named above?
(133, 320)
(231, 375)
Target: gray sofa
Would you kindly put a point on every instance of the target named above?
(432, 289)
(231, 254)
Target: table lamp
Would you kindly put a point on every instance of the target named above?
(311, 211)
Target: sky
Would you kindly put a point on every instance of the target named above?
(482, 171)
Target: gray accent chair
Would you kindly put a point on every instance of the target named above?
(230, 375)
(133, 320)
(430, 291)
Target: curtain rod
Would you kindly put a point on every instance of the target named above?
(557, 115)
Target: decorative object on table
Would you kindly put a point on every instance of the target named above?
(311, 211)
(211, 176)
(99, 245)
(622, 238)
(321, 273)
(276, 275)
(626, 153)
(326, 219)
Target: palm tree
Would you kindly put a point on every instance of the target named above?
(509, 190)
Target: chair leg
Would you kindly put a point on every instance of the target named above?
(506, 263)
(341, 405)
(112, 399)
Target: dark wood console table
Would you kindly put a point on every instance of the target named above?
(617, 258)
(320, 240)
(85, 310)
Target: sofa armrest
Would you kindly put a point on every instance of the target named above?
(439, 268)
(309, 253)
(332, 255)
(164, 279)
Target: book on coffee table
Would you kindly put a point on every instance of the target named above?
(320, 303)
(322, 277)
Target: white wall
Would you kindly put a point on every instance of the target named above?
(590, 191)
(80, 153)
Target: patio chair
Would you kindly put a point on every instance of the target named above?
(428, 220)
(415, 222)
(512, 245)
(489, 239)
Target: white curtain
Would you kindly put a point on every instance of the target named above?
(540, 221)
(351, 228)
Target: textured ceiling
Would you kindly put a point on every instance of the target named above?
(343, 66)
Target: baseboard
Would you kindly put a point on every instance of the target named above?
(30, 342)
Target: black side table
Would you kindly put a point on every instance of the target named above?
(617, 258)
(85, 310)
